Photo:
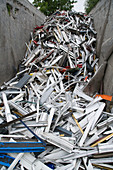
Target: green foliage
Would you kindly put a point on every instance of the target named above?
(50, 6)
(89, 5)
(9, 8)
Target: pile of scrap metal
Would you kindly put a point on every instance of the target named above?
(46, 120)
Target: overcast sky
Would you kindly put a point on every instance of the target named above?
(79, 6)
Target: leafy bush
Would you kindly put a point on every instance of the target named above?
(89, 5)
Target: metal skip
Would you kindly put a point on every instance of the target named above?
(46, 119)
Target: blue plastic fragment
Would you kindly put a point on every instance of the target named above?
(50, 165)
(6, 160)
(18, 147)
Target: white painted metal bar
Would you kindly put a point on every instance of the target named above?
(50, 117)
(97, 114)
(13, 164)
(7, 108)
(58, 141)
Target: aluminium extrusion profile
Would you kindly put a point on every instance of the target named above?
(39, 165)
(83, 138)
(13, 164)
(23, 80)
(58, 141)
(18, 107)
(7, 108)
